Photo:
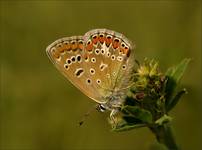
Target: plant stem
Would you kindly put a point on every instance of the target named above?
(164, 136)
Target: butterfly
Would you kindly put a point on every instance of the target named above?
(99, 63)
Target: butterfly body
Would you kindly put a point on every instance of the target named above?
(99, 63)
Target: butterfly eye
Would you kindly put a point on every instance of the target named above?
(101, 108)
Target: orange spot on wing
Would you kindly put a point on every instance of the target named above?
(80, 46)
(121, 50)
(74, 46)
(63, 48)
(55, 54)
(60, 49)
(115, 44)
(67, 47)
(95, 40)
(108, 40)
(89, 46)
(101, 39)
(85, 56)
(126, 51)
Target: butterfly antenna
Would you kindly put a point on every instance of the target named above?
(87, 114)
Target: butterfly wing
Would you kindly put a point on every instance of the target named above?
(97, 63)
(114, 59)
(69, 57)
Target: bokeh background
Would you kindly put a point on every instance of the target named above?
(40, 109)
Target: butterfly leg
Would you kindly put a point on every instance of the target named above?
(112, 116)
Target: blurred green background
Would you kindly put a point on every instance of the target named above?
(41, 111)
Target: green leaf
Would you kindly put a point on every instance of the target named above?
(174, 75)
(175, 100)
(138, 113)
(165, 118)
(127, 127)
(169, 89)
(131, 119)
(178, 71)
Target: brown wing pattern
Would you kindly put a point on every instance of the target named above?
(67, 54)
(114, 54)
(96, 63)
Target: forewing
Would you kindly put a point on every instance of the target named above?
(68, 55)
